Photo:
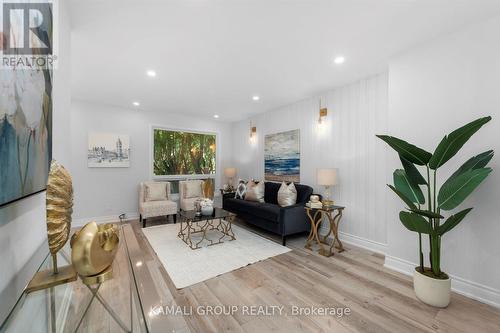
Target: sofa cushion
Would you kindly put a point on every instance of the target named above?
(262, 210)
(188, 204)
(268, 211)
(271, 192)
(157, 208)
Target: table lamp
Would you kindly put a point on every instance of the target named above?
(327, 178)
(230, 173)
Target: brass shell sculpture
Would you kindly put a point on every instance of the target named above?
(93, 250)
(59, 206)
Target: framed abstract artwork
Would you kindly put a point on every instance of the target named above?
(282, 156)
(108, 150)
(25, 132)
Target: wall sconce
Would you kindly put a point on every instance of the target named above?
(323, 112)
(253, 133)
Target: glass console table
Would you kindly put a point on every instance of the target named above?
(71, 307)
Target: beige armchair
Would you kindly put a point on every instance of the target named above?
(189, 192)
(154, 200)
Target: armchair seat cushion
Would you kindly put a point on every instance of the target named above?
(188, 203)
(157, 208)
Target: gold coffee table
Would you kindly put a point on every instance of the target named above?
(191, 224)
(315, 217)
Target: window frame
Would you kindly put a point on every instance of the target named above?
(188, 176)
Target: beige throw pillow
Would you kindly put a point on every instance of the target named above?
(255, 191)
(193, 189)
(287, 195)
(156, 192)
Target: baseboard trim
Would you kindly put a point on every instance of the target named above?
(104, 219)
(358, 241)
(459, 285)
(363, 243)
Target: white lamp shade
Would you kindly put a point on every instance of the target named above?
(230, 172)
(327, 177)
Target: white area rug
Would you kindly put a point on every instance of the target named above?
(187, 267)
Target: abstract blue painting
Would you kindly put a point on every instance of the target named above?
(25, 132)
(282, 156)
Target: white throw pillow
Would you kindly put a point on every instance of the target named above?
(156, 192)
(192, 189)
(287, 195)
(255, 191)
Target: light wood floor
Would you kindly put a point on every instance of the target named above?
(380, 300)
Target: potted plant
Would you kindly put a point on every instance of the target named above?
(423, 214)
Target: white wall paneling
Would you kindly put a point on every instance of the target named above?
(433, 89)
(347, 141)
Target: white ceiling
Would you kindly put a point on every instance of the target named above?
(212, 56)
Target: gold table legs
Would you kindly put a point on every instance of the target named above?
(95, 295)
(188, 228)
(322, 240)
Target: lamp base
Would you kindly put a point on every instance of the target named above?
(47, 279)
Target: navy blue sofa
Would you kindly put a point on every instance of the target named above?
(268, 215)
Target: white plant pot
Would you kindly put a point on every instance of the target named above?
(208, 210)
(431, 291)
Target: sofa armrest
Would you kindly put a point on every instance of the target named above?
(293, 219)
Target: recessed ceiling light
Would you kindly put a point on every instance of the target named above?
(255, 98)
(339, 60)
(216, 116)
(136, 103)
(151, 73)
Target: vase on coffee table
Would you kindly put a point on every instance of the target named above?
(207, 207)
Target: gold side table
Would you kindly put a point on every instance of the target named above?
(334, 214)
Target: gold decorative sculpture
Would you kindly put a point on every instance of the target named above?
(93, 249)
(208, 188)
(59, 204)
(59, 207)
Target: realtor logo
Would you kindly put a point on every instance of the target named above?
(27, 28)
(28, 35)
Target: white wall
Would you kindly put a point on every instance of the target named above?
(107, 192)
(355, 114)
(434, 89)
(22, 224)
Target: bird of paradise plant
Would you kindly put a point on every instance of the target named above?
(424, 217)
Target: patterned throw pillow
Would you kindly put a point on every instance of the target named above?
(241, 189)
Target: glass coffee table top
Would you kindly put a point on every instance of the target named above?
(218, 213)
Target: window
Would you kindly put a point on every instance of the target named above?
(182, 153)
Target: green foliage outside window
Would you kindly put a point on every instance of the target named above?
(183, 153)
